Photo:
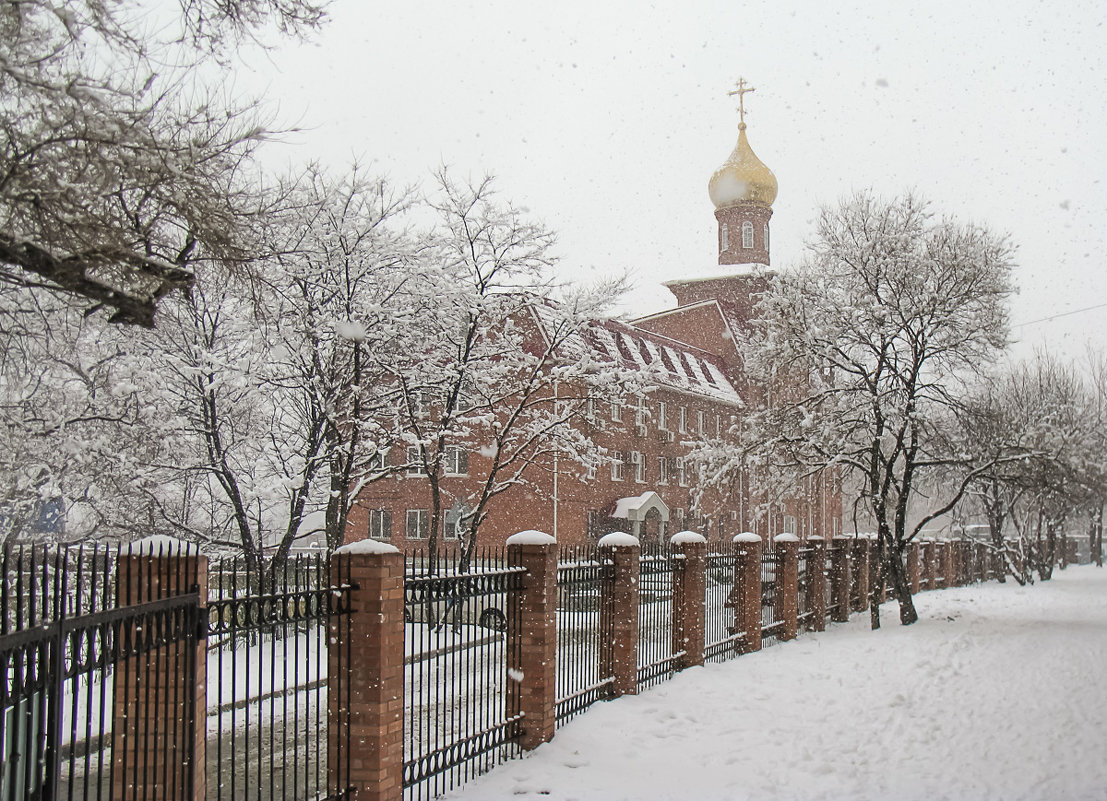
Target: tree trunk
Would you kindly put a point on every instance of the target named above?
(907, 613)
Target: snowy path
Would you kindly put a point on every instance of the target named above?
(998, 692)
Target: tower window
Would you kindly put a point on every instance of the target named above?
(747, 234)
(725, 237)
(766, 236)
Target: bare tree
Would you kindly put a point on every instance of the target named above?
(861, 350)
(117, 169)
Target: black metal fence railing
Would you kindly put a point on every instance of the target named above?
(722, 639)
(771, 626)
(267, 677)
(584, 627)
(804, 607)
(69, 654)
(460, 716)
(656, 659)
(831, 557)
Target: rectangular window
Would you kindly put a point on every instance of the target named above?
(662, 416)
(617, 466)
(590, 408)
(380, 524)
(379, 461)
(639, 463)
(415, 461)
(683, 419)
(592, 523)
(451, 524)
(617, 411)
(682, 473)
(590, 470)
(718, 426)
(640, 413)
(456, 461)
(662, 470)
(700, 424)
(789, 524)
(418, 523)
(680, 515)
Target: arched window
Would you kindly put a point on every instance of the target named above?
(766, 236)
(725, 234)
(747, 234)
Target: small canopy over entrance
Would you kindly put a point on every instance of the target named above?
(647, 515)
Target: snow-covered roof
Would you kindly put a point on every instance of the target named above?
(636, 506)
(671, 363)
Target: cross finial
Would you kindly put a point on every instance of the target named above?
(743, 87)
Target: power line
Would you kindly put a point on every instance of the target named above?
(1061, 314)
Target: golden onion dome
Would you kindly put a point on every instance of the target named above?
(743, 178)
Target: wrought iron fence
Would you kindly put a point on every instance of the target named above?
(584, 626)
(771, 626)
(73, 636)
(267, 665)
(657, 660)
(722, 638)
(460, 716)
(804, 606)
(831, 557)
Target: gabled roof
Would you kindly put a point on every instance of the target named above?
(669, 362)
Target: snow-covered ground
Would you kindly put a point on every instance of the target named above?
(998, 692)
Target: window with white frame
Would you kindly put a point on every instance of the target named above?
(590, 470)
(452, 523)
(638, 462)
(415, 461)
(662, 416)
(766, 236)
(682, 472)
(417, 524)
(455, 461)
(726, 237)
(378, 461)
(700, 425)
(662, 470)
(380, 524)
(789, 524)
(718, 426)
(747, 234)
(640, 413)
(617, 466)
(683, 420)
(617, 411)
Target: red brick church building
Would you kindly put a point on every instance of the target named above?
(646, 485)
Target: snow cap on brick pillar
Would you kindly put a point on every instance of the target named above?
(619, 653)
(746, 593)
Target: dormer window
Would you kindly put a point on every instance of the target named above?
(747, 234)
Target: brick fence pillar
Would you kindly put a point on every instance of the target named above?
(861, 570)
(787, 584)
(619, 656)
(365, 673)
(840, 579)
(913, 567)
(981, 562)
(689, 592)
(948, 570)
(816, 584)
(877, 580)
(532, 636)
(930, 558)
(747, 576)
(153, 725)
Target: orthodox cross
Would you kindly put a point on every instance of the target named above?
(743, 87)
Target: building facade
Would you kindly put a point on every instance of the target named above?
(646, 484)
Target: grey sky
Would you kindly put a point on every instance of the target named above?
(606, 119)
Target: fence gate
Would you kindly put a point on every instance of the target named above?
(95, 705)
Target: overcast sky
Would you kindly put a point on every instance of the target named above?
(606, 120)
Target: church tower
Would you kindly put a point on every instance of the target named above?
(743, 191)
